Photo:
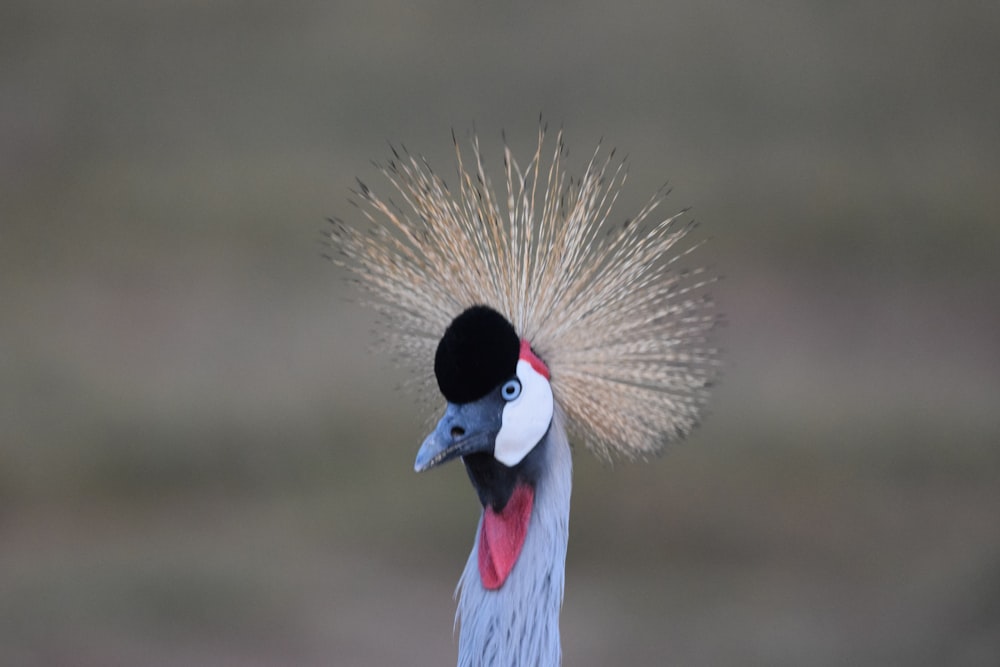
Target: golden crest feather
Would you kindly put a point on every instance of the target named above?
(623, 328)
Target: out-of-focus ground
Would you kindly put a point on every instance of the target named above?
(202, 463)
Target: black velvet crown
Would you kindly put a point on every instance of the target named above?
(478, 351)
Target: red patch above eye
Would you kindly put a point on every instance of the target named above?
(529, 355)
(502, 537)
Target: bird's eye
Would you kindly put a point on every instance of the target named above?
(511, 389)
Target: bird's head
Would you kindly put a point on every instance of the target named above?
(500, 402)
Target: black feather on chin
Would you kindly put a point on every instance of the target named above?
(495, 482)
(478, 351)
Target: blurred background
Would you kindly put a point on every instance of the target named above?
(203, 462)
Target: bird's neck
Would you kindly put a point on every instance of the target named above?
(518, 623)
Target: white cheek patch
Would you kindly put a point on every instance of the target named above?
(525, 419)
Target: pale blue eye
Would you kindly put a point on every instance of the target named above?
(511, 389)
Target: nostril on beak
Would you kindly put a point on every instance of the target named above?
(457, 432)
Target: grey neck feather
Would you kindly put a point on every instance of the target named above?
(518, 625)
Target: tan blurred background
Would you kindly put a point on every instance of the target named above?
(203, 463)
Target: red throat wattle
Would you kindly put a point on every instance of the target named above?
(502, 536)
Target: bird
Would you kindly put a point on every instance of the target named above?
(542, 321)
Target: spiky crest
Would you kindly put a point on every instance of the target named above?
(623, 329)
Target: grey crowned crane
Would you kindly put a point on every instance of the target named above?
(543, 318)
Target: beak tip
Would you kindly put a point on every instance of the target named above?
(423, 462)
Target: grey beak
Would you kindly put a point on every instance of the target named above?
(464, 429)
